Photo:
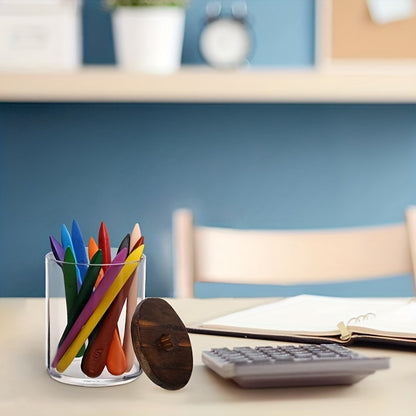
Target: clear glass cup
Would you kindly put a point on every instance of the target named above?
(66, 316)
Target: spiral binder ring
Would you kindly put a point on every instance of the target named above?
(346, 333)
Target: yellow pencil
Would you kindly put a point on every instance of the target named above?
(100, 310)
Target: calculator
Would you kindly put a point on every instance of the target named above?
(292, 365)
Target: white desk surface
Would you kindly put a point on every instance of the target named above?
(26, 388)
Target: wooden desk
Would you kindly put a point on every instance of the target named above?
(26, 388)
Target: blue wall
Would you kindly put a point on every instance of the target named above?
(242, 165)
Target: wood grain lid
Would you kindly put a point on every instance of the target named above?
(161, 344)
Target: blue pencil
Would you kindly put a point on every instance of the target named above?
(67, 242)
(79, 249)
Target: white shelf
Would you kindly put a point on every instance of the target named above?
(201, 84)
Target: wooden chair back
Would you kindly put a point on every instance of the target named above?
(225, 255)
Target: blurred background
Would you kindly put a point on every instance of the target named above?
(248, 165)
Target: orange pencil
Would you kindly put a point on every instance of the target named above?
(116, 360)
(92, 249)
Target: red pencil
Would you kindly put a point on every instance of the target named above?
(104, 245)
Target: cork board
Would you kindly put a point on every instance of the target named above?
(351, 34)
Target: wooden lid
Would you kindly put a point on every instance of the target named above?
(161, 344)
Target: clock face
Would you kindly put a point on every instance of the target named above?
(225, 43)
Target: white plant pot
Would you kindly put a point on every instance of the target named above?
(149, 39)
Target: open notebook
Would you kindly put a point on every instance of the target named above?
(308, 318)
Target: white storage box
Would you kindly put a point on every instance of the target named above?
(40, 35)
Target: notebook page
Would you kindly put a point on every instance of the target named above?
(399, 322)
(302, 315)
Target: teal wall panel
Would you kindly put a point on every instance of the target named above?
(239, 165)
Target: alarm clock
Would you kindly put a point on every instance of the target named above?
(226, 40)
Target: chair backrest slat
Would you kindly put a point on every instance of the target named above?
(213, 254)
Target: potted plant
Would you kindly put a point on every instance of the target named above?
(148, 34)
